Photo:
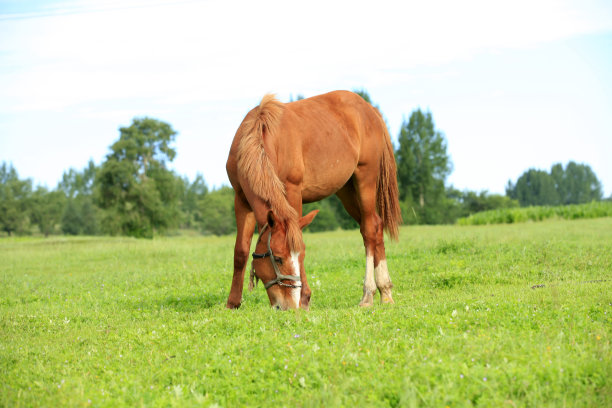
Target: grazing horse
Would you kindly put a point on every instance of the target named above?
(284, 155)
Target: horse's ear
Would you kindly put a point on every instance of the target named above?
(271, 220)
(307, 219)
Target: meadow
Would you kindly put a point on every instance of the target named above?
(498, 315)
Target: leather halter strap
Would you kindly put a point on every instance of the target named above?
(279, 276)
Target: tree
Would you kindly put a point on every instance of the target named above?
(14, 200)
(534, 187)
(47, 209)
(326, 219)
(75, 183)
(193, 194)
(576, 183)
(71, 219)
(557, 172)
(474, 202)
(422, 167)
(80, 215)
(137, 192)
(217, 209)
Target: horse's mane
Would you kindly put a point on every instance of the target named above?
(255, 166)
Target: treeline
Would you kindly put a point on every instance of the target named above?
(573, 184)
(75, 207)
(131, 193)
(134, 193)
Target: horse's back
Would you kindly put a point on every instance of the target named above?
(320, 141)
(337, 132)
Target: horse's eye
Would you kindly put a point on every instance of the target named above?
(278, 260)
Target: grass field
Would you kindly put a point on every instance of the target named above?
(123, 322)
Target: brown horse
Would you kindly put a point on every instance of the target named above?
(284, 155)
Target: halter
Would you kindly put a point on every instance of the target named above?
(279, 276)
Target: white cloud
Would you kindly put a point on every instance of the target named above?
(89, 51)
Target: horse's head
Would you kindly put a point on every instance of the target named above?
(279, 265)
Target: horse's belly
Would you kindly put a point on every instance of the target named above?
(326, 174)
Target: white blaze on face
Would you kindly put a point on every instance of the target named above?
(295, 263)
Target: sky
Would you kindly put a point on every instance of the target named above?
(512, 85)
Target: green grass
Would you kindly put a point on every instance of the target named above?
(595, 209)
(124, 322)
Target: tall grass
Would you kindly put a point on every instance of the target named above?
(595, 209)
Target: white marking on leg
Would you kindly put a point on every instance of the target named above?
(383, 282)
(295, 292)
(381, 273)
(369, 285)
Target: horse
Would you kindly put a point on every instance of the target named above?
(287, 154)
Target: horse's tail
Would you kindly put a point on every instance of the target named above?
(256, 168)
(387, 196)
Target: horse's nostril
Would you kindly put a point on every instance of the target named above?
(277, 307)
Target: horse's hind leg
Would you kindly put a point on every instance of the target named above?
(360, 202)
(381, 272)
(373, 237)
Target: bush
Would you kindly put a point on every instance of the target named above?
(595, 209)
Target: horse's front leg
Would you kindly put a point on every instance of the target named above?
(245, 224)
(294, 196)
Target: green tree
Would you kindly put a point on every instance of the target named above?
(573, 184)
(474, 202)
(325, 220)
(217, 209)
(71, 219)
(193, 194)
(47, 209)
(557, 172)
(422, 168)
(534, 187)
(137, 192)
(80, 215)
(576, 183)
(89, 216)
(15, 197)
(76, 182)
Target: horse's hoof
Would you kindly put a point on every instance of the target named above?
(231, 305)
(385, 296)
(387, 299)
(367, 301)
